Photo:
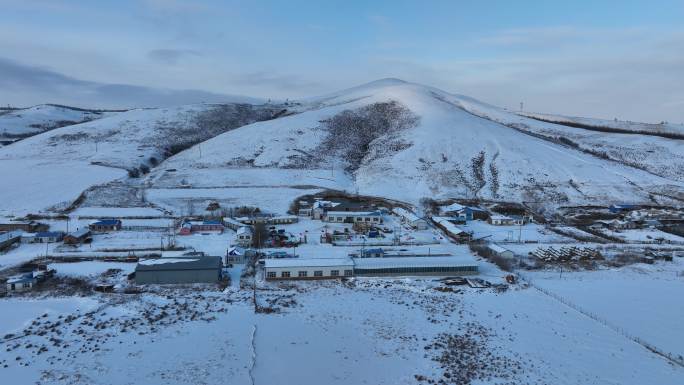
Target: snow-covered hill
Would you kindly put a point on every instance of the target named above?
(661, 129)
(25, 122)
(407, 141)
(53, 168)
(652, 152)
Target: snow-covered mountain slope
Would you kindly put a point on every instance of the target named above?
(406, 141)
(25, 122)
(661, 129)
(53, 168)
(653, 152)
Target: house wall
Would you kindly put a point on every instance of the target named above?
(18, 287)
(177, 276)
(416, 271)
(294, 272)
(353, 218)
(235, 259)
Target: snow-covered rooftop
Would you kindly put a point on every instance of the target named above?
(453, 207)
(399, 262)
(353, 213)
(496, 248)
(307, 262)
(407, 215)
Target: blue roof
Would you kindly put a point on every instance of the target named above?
(49, 234)
(212, 222)
(107, 222)
(378, 250)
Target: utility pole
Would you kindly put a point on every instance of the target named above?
(521, 106)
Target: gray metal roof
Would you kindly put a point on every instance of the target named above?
(180, 263)
(10, 235)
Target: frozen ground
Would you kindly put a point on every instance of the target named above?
(527, 233)
(642, 299)
(644, 236)
(324, 332)
(193, 201)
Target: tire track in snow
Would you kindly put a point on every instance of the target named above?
(252, 363)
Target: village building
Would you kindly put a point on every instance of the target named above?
(238, 255)
(315, 268)
(504, 220)
(468, 213)
(232, 223)
(621, 208)
(206, 226)
(497, 250)
(454, 232)
(268, 220)
(10, 238)
(305, 209)
(613, 224)
(370, 217)
(42, 237)
(411, 219)
(414, 266)
(28, 226)
(320, 207)
(105, 225)
(78, 237)
(201, 269)
(244, 236)
(22, 282)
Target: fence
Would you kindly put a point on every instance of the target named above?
(675, 359)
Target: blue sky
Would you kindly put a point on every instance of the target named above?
(608, 59)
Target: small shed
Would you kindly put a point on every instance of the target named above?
(22, 282)
(105, 225)
(78, 237)
(495, 249)
(410, 218)
(238, 255)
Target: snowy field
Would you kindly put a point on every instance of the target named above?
(527, 233)
(323, 333)
(117, 212)
(644, 236)
(641, 298)
(37, 184)
(182, 201)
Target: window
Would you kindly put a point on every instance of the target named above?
(26, 285)
(340, 219)
(375, 219)
(285, 274)
(367, 219)
(348, 273)
(303, 274)
(271, 274)
(318, 273)
(334, 273)
(359, 219)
